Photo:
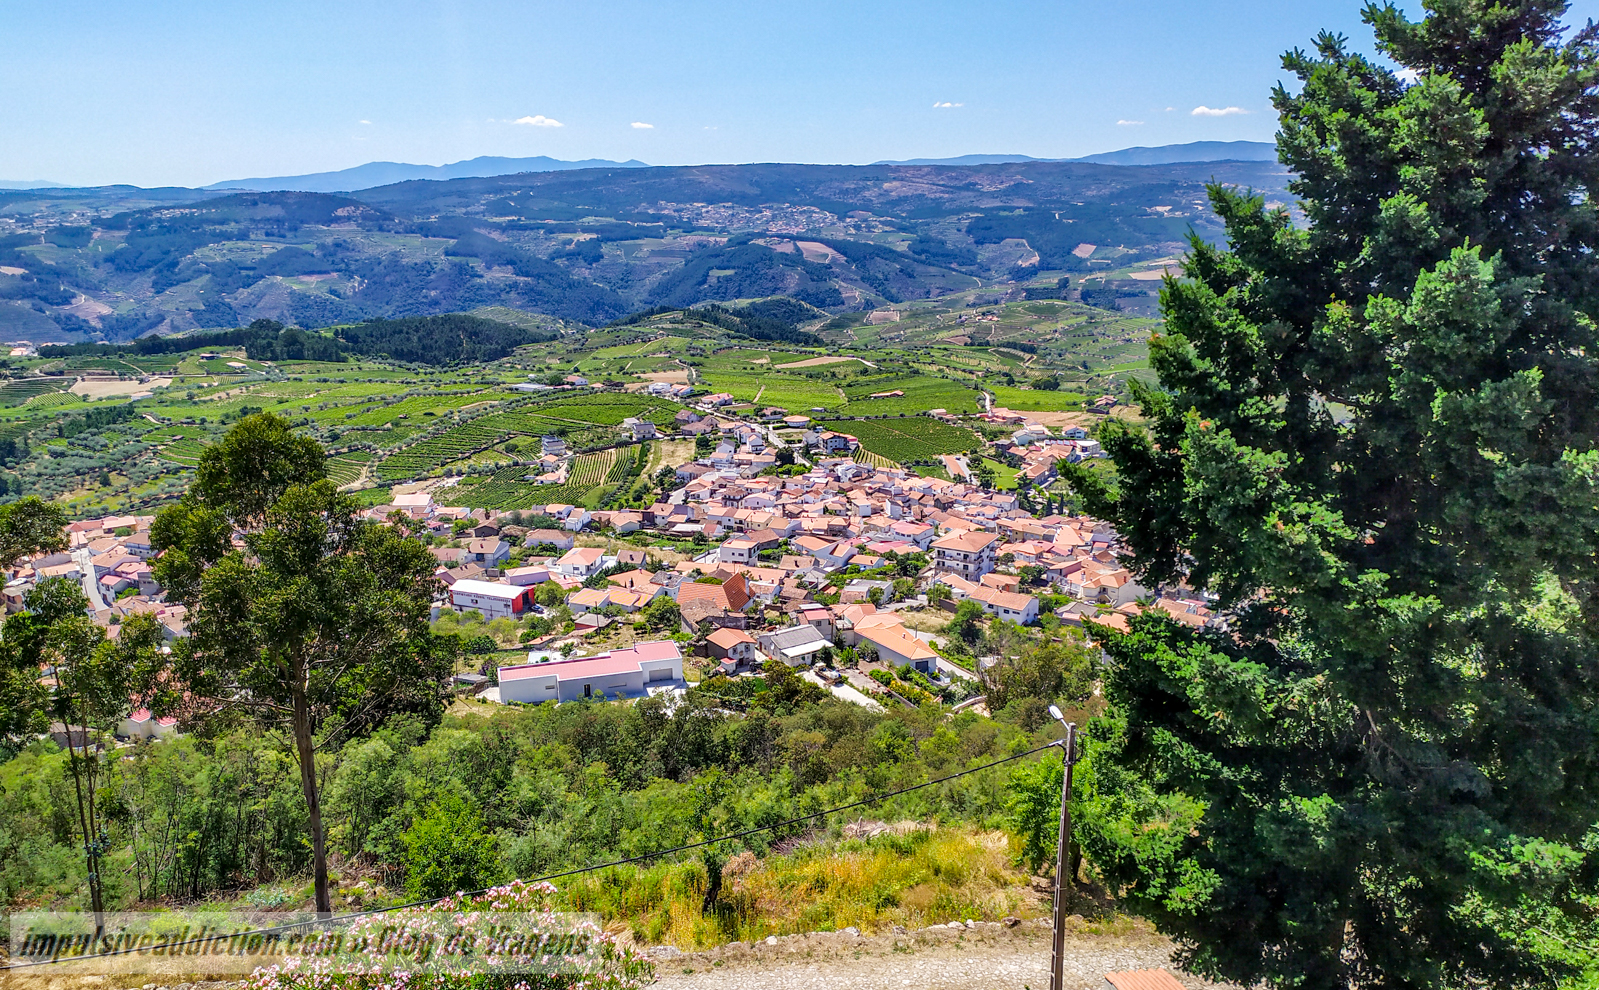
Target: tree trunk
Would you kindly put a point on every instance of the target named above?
(306, 753)
(91, 781)
(83, 823)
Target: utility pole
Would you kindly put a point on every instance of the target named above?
(1068, 757)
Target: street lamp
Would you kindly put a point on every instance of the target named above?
(1068, 757)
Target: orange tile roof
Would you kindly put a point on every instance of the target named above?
(1144, 979)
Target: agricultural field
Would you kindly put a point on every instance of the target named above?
(864, 456)
(17, 391)
(609, 409)
(795, 393)
(436, 451)
(506, 489)
(915, 438)
(921, 393)
(1035, 400)
(346, 469)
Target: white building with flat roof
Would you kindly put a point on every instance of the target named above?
(630, 673)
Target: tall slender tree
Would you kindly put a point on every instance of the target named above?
(316, 628)
(1376, 439)
(28, 526)
(95, 679)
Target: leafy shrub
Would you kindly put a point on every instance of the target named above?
(448, 849)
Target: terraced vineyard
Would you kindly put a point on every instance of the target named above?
(183, 451)
(910, 439)
(626, 461)
(508, 488)
(434, 452)
(52, 399)
(592, 469)
(179, 444)
(345, 469)
(864, 456)
(19, 390)
(609, 409)
(794, 393)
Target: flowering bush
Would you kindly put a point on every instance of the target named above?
(508, 938)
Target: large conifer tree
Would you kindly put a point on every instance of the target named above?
(1375, 439)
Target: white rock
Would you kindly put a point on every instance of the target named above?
(771, 940)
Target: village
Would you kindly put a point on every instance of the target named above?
(846, 559)
(838, 560)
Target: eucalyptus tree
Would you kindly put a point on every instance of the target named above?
(305, 620)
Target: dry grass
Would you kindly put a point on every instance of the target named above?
(93, 388)
(913, 879)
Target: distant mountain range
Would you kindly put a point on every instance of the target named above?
(1194, 151)
(1169, 154)
(374, 174)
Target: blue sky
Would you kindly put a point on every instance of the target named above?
(188, 93)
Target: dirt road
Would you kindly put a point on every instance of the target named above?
(987, 956)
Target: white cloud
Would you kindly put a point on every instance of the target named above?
(538, 120)
(1408, 75)
(639, 125)
(367, 122)
(1170, 109)
(946, 105)
(1129, 123)
(1204, 111)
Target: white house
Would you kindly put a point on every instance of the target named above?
(630, 673)
(731, 646)
(739, 550)
(796, 646)
(142, 725)
(524, 576)
(581, 563)
(642, 429)
(491, 598)
(970, 555)
(1021, 609)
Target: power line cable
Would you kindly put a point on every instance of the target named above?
(642, 857)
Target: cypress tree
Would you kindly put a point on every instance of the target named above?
(1374, 441)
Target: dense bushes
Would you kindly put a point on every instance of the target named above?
(540, 788)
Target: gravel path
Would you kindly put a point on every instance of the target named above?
(986, 956)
